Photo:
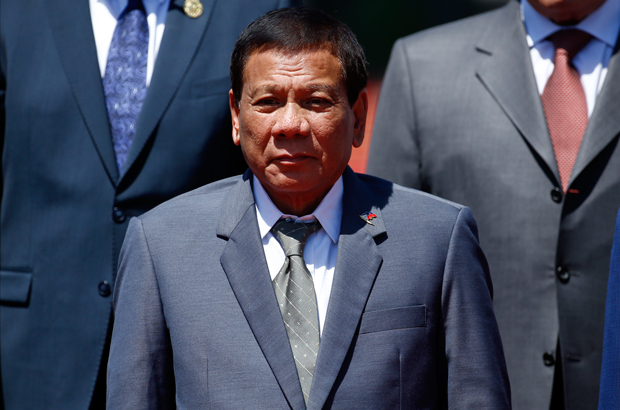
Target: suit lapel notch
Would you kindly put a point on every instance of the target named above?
(505, 70)
(75, 42)
(172, 63)
(243, 261)
(356, 269)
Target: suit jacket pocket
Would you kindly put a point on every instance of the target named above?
(391, 319)
(206, 88)
(15, 286)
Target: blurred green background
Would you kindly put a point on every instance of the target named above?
(378, 24)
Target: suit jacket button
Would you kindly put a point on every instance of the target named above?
(548, 359)
(118, 215)
(105, 289)
(556, 195)
(563, 274)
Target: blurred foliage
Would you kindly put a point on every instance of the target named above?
(378, 24)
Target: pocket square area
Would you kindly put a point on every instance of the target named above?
(391, 319)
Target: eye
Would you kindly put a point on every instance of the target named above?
(268, 101)
(318, 103)
(266, 104)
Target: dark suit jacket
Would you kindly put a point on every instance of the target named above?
(610, 373)
(460, 116)
(60, 237)
(409, 322)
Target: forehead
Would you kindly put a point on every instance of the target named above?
(277, 68)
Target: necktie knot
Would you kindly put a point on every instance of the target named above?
(293, 236)
(569, 42)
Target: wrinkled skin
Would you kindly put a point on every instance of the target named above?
(295, 125)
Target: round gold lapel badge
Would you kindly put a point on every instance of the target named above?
(193, 8)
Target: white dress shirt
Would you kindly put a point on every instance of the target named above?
(104, 15)
(591, 62)
(321, 248)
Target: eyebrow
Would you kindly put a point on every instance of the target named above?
(274, 88)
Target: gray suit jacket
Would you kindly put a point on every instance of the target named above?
(459, 116)
(409, 323)
(65, 207)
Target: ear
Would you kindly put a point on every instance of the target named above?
(360, 110)
(234, 113)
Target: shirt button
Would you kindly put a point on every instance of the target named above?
(563, 274)
(548, 359)
(556, 195)
(118, 215)
(104, 289)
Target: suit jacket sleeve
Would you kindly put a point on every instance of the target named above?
(394, 153)
(477, 376)
(140, 373)
(609, 397)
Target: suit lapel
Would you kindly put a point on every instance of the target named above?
(182, 38)
(505, 70)
(356, 269)
(243, 260)
(72, 29)
(604, 125)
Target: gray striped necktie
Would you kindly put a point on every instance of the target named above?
(295, 293)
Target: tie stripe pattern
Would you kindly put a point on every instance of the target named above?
(564, 101)
(124, 81)
(297, 300)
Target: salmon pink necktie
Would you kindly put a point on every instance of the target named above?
(564, 101)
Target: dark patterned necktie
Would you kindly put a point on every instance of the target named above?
(124, 82)
(564, 101)
(295, 293)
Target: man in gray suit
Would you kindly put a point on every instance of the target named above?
(301, 284)
(461, 116)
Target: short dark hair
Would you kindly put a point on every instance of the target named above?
(297, 29)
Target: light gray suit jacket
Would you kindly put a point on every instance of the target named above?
(460, 116)
(409, 323)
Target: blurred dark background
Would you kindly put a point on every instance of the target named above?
(378, 24)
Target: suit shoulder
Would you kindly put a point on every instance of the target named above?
(406, 209)
(454, 35)
(209, 196)
(404, 197)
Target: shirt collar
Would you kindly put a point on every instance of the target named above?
(116, 7)
(603, 23)
(328, 213)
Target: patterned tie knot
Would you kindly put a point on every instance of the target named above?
(569, 42)
(293, 236)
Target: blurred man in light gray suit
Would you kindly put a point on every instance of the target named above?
(301, 284)
(500, 113)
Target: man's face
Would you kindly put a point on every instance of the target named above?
(566, 12)
(295, 125)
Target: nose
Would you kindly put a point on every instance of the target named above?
(291, 122)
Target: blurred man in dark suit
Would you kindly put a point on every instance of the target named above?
(110, 107)
(610, 372)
